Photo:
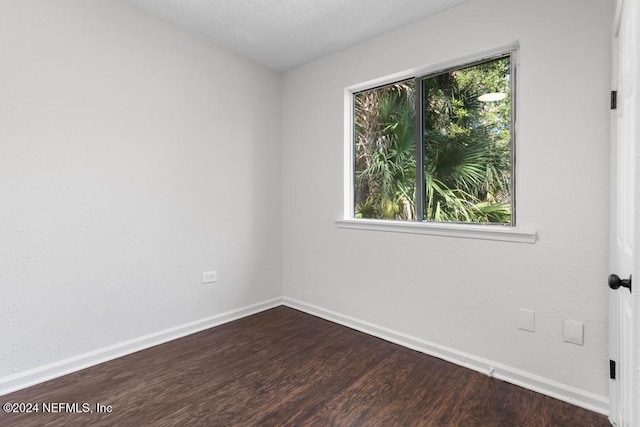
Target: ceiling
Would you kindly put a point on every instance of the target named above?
(283, 34)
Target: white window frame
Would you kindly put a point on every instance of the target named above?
(499, 232)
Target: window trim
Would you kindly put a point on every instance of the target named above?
(503, 232)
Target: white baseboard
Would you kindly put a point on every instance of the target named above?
(575, 396)
(515, 376)
(48, 372)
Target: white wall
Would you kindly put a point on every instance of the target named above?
(457, 293)
(133, 156)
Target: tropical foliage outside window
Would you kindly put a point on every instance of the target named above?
(461, 157)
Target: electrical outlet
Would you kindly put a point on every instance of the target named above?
(209, 277)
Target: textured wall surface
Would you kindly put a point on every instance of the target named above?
(133, 156)
(465, 294)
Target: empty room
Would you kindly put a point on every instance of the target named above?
(319, 212)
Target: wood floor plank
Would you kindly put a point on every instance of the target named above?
(282, 367)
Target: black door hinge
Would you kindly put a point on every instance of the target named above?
(614, 99)
(612, 369)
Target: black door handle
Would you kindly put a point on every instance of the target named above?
(615, 282)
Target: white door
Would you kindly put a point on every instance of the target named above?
(624, 305)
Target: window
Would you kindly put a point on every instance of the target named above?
(437, 147)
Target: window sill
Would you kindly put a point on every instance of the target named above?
(465, 231)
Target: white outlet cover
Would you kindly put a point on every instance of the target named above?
(574, 332)
(209, 277)
(527, 320)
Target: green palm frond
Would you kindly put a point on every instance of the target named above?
(467, 164)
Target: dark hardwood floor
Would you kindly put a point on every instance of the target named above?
(282, 367)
